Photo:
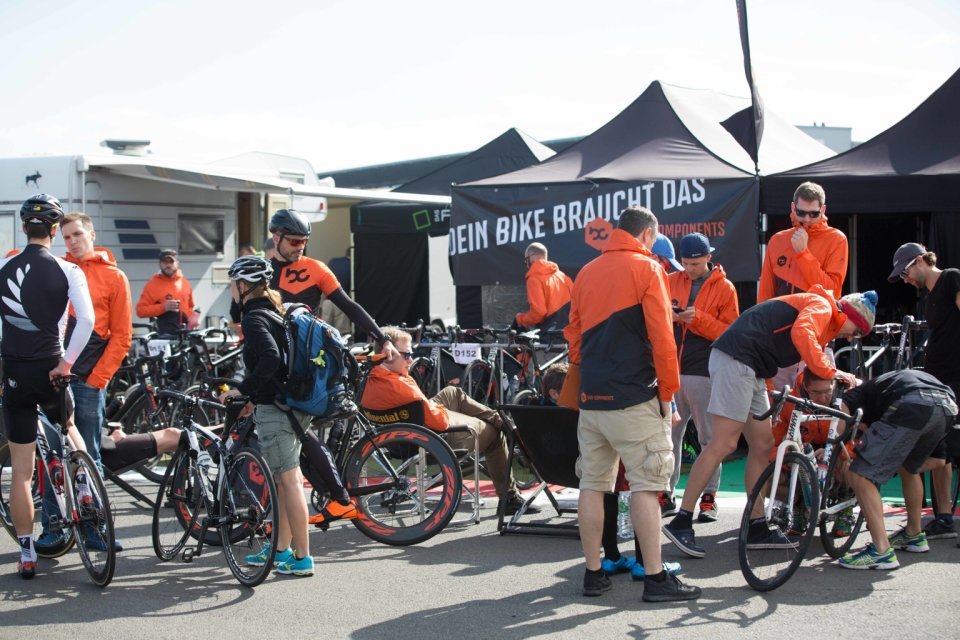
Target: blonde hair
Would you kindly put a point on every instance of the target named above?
(395, 334)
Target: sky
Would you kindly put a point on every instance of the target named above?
(347, 84)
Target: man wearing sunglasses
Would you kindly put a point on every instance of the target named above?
(810, 252)
(305, 280)
(917, 267)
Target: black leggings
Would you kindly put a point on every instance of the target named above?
(611, 549)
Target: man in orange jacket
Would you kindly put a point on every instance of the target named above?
(548, 291)
(621, 338)
(110, 340)
(168, 297)
(771, 335)
(810, 253)
(390, 389)
(704, 305)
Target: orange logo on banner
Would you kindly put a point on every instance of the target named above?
(597, 232)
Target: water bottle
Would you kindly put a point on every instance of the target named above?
(624, 524)
(56, 475)
(83, 489)
(512, 388)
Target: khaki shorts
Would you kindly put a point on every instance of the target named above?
(637, 435)
(278, 442)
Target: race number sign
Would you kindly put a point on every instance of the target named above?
(466, 353)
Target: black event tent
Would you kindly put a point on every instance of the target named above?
(669, 150)
(391, 239)
(912, 167)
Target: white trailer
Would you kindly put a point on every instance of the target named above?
(141, 204)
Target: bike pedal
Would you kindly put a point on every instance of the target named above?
(323, 526)
(188, 555)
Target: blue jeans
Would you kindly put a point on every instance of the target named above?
(88, 413)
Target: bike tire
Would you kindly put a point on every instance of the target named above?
(93, 520)
(248, 499)
(766, 569)
(476, 382)
(404, 512)
(177, 507)
(834, 492)
(137, 420)
(423, 371)
(6, 520)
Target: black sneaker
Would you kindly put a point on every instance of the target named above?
(515, 501)
(937, 529)
(670, 590)
(684, 540)
(595, 583)
(668, 506)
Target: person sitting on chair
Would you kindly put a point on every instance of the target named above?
(390, 388)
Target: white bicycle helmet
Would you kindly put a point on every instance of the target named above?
(251, 268)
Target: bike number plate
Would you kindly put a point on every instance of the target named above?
(466, 353)
(156, 347)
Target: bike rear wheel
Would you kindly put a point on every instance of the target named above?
(176, 510)
(247, 500)
(837, 491)
(93, 523)
(477, 382)
(424, 497)
(6, 519)
(766, 564)
(423, 371)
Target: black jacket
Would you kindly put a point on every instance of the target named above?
(264, 351)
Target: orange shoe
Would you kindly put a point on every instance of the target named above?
(334, 511)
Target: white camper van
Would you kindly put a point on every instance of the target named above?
(141, 203)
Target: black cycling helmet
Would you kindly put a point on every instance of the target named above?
(290, 221)
(41, 209)
(251, 268)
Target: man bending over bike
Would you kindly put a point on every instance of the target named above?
(909, 414)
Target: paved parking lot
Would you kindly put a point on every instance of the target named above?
(469, 582)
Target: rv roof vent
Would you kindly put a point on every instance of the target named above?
(127, 147)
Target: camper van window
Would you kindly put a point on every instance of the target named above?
(200, 235)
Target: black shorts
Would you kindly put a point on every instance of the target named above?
(26, 386)
(950, 448)
(906, 435)
(129, 451)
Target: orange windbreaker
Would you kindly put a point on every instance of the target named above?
(112, 328)
(387, 390)
(717, 307)
(780, 332)
(548, 289)
(158, 290)
(823, 262)
(621, 328)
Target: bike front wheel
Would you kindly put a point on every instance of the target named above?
(406, 483)
(93, 519)
(839, 531)
(175, 512)
(478, 382)
(770, 554)
(248, 497)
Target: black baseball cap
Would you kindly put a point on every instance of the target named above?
(906, 254)
(168, 253)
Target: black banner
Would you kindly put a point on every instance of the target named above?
(756, 122)
(491, 227)
(388, 217)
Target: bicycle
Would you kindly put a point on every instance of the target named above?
(813, 496)
(237, 502)
(404, 478)
(83, 516)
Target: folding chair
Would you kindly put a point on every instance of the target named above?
(547, 436)
(413, 413)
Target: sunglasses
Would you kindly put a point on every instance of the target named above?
(407, 355)
(906, 269)
(526, 262)
(807, 214)
(296, 242)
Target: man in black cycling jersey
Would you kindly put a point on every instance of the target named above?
(35, 289)
(301, 279)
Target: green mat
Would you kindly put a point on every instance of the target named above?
(731, 482)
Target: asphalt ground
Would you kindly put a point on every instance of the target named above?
(470, 582)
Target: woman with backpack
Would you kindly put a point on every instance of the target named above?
(264, 353)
